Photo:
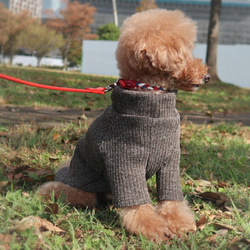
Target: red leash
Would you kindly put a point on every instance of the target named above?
(126, 84)
(99, 90)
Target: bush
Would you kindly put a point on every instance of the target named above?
(108, 32)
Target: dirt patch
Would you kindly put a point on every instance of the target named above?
(243, 118)
(10, 115)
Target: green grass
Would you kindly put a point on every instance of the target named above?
(29, 155)
(215, 153)
(12, 93)
(215, 98)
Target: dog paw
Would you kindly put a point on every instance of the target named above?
(178, 216)
(144, 220)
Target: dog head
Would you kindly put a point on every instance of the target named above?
(155, 47)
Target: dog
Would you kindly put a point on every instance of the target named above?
(139, 134)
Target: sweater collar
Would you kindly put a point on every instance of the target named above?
(144, 103)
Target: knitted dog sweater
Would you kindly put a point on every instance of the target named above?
(133, 139)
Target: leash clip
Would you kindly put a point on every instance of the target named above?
(111, 86)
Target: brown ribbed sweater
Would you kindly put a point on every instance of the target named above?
(133, 139)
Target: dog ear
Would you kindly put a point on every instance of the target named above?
(149, 60)
(143, 58)
(163, 58)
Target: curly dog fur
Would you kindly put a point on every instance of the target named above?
(154, 47)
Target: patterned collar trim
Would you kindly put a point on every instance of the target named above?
(134, 85)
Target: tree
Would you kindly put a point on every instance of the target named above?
(4, 14)
(15, 25)
(40, 39)
(212, 40)
(74, 25)
(108, 31)
(75, 54)
(146, 5)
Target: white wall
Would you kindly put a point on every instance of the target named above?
(32, 61)
(233, 60)
(232, 63)
(99, 57)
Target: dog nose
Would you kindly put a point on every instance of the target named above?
(206, 78)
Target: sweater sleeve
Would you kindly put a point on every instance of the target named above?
(125, 166)
(168, 177)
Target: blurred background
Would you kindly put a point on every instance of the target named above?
(68, 23)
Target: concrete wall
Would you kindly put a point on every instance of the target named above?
(233, 60)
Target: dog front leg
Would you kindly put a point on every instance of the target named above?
(178, 216)
(143, 219)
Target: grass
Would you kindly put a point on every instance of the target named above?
(17, 94)
(214, 167)
(218, 154)
(213, 98)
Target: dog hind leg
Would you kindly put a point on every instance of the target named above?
(73, 196)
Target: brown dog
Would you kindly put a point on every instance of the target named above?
(138, 135)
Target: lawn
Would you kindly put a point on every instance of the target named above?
(215, 174)
(213, 98)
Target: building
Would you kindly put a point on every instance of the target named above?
(54, 5)
(34, 7)
(234, 19)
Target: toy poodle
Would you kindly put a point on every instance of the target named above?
(138, 136)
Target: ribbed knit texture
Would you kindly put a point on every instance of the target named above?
(134, 138)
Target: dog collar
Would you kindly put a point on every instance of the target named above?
(134, 85)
